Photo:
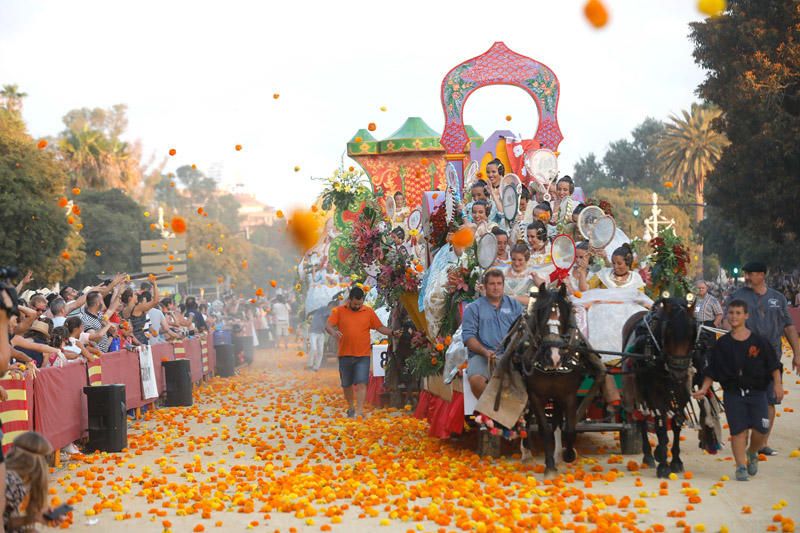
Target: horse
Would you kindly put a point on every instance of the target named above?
(543, 346)
(661, 381)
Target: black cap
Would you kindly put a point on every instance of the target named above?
(755, 266)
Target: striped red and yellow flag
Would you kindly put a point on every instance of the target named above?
(204, 354)
(14, 413)
(179, 349)
(95, 371)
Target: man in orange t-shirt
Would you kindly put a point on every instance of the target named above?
(351, 324)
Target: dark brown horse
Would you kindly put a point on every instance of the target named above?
(660, 382)
(542, 346)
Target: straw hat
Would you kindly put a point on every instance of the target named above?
(41, 327)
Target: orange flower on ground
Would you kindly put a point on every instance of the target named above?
(170, 268)
(172, 151)
(76, 191)
(62, 202)
(596, 13)
(273, 283)
(464, 237)
(42, 144)
(178, 224)
(199, 210)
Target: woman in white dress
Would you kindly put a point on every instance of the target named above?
(518, 276)
(540, 262)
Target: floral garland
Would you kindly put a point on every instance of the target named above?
(461, 287)
(342, 188)
(669, 265)
(427, 358)
(398, 274)
(439, 228)
(607, 208)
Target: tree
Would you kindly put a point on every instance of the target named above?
(113, 226)
(625, 163)
(752, 58)
(95, 154)
(687, 152)
(35, 228)
(11, 98)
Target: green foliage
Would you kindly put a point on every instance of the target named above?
(625, 163)
(752, 56)
(34, 227)
(113, 224)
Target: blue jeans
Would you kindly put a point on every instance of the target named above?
(353, 370)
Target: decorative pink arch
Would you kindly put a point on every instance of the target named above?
(500, 66)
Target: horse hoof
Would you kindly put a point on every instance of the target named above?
(663, 471)
(550, 473)
(649, 461)
(676, 467)
(569, 455)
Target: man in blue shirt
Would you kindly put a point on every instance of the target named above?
(486, 323)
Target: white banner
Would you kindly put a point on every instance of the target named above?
(379, 358)
(148, 373)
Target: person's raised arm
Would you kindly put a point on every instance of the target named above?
(21, 342)
(25, 322)
(76, 303)
(24, 281)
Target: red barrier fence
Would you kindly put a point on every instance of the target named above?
(54, 403)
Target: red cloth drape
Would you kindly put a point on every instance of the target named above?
(123, 367)
(60, 405)
(193, 354)
(445, 418)
(374, 390)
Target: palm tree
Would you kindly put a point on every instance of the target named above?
(12, 98)
(687, 151)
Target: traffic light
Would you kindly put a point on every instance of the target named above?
(636, 209)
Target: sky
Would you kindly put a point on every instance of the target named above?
(199, 76)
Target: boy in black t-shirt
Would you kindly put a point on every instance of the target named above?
(744, 363)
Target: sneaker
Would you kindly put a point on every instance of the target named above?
(351, 413)
(752, 463)
(741, 473)
(71, 449)
(766, 450)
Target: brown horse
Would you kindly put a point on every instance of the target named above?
(542, 345)
(661, 381)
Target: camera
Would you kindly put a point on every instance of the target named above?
(6, 274)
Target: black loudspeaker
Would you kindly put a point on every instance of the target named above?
(108, 425)
(243, 347)
(178, 379)
(226, 362)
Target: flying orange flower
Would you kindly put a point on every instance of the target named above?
(275, 96)
(172, 151)
(273, 283)
(238, 147)
(97, 253)
(178, 224)
(508, 118)
(297, 168)
(304, 227)
(371, 126)
(76, 191)
(668, 184)
(42, 144)
(170, 268)
(199, 210)
(153, 227)
(76, 209)
(463, 238)
(62, 202)
(259, 291)
(65, 255)
(596, 13)
(279, 213)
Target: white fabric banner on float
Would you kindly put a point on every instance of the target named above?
(148, 373)
(379, 358)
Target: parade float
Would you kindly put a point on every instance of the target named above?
(426, 278)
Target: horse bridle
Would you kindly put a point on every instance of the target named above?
(679, 363)
(529, 365)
